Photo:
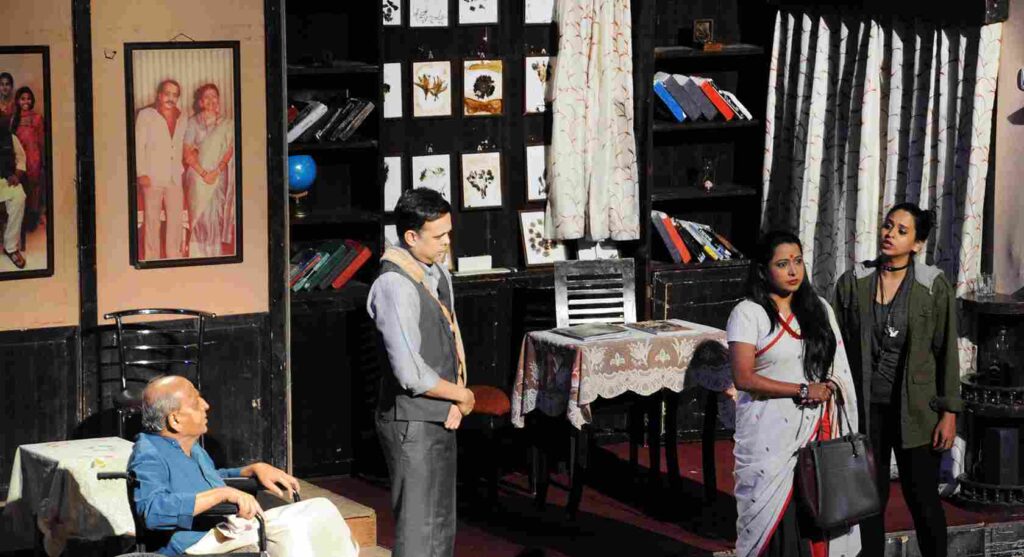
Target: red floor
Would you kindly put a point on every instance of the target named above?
(618, 515)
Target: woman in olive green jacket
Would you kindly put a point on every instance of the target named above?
(897, 316)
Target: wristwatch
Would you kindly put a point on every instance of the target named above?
(805, 391)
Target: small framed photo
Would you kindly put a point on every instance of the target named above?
(434, 172)
(483, 90)
(536, 172)
(478, 12)
(538, 250)
(432, 89)
(539, 12)
(481, 180)
(703, 31)
(392, 182)
(391, 234)
(392, 85)
(428, 13)
(539, 85)
(391, 13)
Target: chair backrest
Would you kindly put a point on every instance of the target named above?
(152, 348)
(598, 291)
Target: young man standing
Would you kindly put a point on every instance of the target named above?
(423, 400)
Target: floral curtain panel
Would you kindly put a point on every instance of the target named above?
(863, 114)
(592, 165)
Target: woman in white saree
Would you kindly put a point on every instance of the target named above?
(787, 360)
(209, 149)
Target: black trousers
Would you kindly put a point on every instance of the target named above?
(919, 477)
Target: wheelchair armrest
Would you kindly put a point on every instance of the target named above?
(252, 486)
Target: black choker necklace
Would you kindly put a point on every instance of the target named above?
(890, 268)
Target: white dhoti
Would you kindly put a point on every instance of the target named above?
(313, 527)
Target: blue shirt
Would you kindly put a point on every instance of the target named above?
(168, 482)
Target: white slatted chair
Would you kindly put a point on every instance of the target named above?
(599, 291)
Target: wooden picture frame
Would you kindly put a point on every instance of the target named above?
(538, 251)
(483, 83)
(703, 31)
(428, 13)
(431, 89)
(25, 81)
(479, 12)
(193, 217)
(433, 171)
(482, 180)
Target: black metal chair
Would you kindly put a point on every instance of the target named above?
(150, 349)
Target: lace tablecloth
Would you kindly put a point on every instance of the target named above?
(56, 483)
(563, 375)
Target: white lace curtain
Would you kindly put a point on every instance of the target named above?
(863, 114)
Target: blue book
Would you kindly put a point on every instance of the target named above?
(666, 97)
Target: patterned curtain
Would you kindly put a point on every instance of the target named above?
(592, 165)
(863, 114)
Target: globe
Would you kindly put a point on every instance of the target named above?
(301, 173)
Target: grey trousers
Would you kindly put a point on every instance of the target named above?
(421, 458)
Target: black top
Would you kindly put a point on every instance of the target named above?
(889, 340)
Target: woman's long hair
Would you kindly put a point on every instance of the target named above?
(16, 117)
(819, 342)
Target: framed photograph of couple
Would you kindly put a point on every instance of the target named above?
(26, 163)
(183, 109)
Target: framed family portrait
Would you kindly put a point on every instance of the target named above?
(484, 91)
(392, 85)
(478, 12)
(481, 180)
(183, 107)
(26, 163)
(538, 250)
(536, 172)
(392, 182)
(539, 86)
(433, 172)
(428, 13)
(432, 89)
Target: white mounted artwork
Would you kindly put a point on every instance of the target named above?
(539, 11)
(392, 182)
(537, 249)
(432, 89)
(391, 13)
(391, 234)
(433, 172)
(393, 90)
(481, 180)
(536, 172)
(482, 87)
(428, 13)
(588, 250)
(539, 83)
(478, 12)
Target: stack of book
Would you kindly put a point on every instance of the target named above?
(316, 122)
(689, 98)
(692, 242)
(328, 264)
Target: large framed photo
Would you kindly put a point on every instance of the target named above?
(481, 180)
(432, 89)
(538, 250)
(183, 106)
(483, 87)
(26, 163)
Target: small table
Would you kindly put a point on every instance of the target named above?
(561, 375)
(54, 487)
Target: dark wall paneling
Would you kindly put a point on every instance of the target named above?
(39, 385)
(704, 295)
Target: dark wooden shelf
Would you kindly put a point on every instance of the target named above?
(349, 297)
(336, 216)
(339, 68)
(692, 192)
(669, 266)
(997, 304)
(358, 144)
(665, 126)
(737, 50)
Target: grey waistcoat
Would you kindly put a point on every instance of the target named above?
(437, 348)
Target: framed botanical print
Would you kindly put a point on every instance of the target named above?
(428, 13)
(538, 250)
(392, 84)
(26, 185)
(536, 172)
(433, 172)
(539, 87)
(539, 12)
(483, 87)
(478, 12)
(432, 89)
(481, 180)
(391, 13)
(392, 182)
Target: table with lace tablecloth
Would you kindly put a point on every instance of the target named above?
(54, 488)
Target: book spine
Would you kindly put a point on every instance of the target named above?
(736, 101)
(673, 234)
(361, 116)
(318, 259)
(706, 240)
(658, 222)
(331, 122)
(669, 102)
(699, 238)
(350, 271)
(695, 248)
(301, 126)
(347, 121)
(723, 107)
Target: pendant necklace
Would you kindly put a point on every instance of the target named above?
(889, 329)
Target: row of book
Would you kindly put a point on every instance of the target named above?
(689, 241)
(693, 98)
(316, 122)
(328, 264)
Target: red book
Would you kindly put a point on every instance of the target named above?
(362, 257)
(716, 99)
(677, 240)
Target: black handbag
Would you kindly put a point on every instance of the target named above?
(836, 479)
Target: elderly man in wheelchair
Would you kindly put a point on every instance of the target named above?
(175, 480)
